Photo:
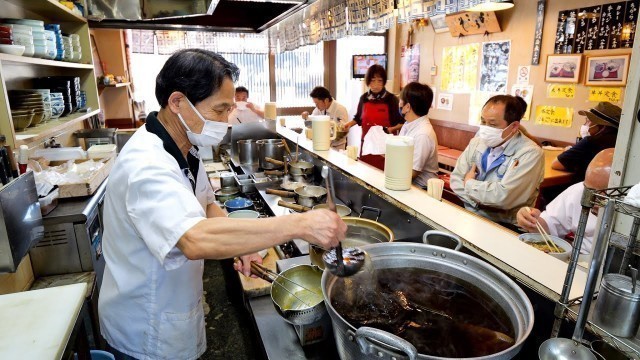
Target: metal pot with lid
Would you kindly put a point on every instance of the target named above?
(507, 305)
(618, 306)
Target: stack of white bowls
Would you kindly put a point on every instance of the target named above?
(75, 46)
(52, 48)
(57, 105)
(57, 40)
(68, 48)
(41, 49)
(398, 162)
(22, 35)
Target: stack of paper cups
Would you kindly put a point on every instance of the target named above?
(434, 188)
(270, 111)
(398, 163)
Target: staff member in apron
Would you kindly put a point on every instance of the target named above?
(377, 107)
(501, 169)
(161, 220)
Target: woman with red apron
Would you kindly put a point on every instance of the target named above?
(377, 107)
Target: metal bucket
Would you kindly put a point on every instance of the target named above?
(618, 309)
(272, 148)
(247, 151)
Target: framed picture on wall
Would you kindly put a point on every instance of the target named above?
(563, 68)
(608, 70)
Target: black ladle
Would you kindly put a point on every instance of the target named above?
(340, 262)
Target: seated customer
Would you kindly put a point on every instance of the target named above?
(415, 101)
(501, 169)
(599, 132)
(326, 105)
(244, 111)
(563, 213)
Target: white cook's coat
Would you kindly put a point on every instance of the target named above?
(150, 300)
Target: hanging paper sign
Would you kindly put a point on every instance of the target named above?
(523, 74)
(537, 38)
(612, 95)
(561, 91)
(459, 68)
(554, 116)
(444, 102)
(525, 92)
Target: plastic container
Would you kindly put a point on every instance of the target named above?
(398, 165)
(102, 151)
(61, 154)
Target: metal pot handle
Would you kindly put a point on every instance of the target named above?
(364, 333)
(454, 238)
(369, 208)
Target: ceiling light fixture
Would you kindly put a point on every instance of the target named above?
(492, 5)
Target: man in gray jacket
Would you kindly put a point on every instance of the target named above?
(501, 169)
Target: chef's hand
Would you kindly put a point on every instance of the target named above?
(305, 115)
(527, 218)
(471, 175)
(244, 264)
(323, 228)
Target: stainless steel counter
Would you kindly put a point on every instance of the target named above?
(75, 210)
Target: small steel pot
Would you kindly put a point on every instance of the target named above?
(342, 210)
(310, 195)
(618, 308)
(271, 148)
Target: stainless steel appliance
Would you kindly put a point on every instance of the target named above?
(20, 221)
(72, 238)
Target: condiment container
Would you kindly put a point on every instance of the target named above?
(618, 308)
(322, 126)
(398, 163)
(270, 111)
(23, 158)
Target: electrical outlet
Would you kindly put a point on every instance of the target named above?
(434, 70)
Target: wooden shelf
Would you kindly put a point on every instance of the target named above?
(44, 62)
(50, 128)
(50, 7)
(116, 85)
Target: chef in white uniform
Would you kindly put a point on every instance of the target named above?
(161, 222)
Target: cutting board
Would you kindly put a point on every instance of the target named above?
(37, 324)
(254, 287)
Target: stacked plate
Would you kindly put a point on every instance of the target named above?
(21, 35)
(57, 105)
(21, 101)
(46, 99)
(68, 48)
(75, 47)
(69, 86)
(55, 28)
(41, 48)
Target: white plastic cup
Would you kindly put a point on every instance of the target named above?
(322, 128)
(270, 111)
(435, 188)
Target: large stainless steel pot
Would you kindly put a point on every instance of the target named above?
(370, 343)
(271, 148)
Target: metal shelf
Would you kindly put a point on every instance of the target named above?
(617, 195)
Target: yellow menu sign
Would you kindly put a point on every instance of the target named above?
(613, 95)
(554, 115)
(562, 91)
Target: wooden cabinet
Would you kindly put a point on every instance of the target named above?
(17, 72)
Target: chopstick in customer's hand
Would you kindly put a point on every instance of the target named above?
(545, 236)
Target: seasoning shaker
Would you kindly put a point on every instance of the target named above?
(618, 307)
(23, 158)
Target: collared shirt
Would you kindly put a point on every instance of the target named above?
(243, 116)
(495, 153)
(425, 148)
(150, 303)
(563, 214)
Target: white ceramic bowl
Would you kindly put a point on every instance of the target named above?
(12, 49)
(562, 244)
(26, 22)
(29, 50)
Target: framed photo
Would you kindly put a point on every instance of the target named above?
(439, 23)
(563, 68)
(607, 70)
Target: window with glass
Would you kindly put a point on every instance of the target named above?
(297, 73)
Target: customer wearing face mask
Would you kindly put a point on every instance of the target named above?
(501, 169)
(161, 221)
(599, 132)
(415, 101)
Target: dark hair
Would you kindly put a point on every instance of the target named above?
(514, 106)
(375, 70)
(242, 89)
(196, 73)
(321, 93)
(419, 96)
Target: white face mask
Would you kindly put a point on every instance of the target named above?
(491, 136)
(212, 131)
(584, 130)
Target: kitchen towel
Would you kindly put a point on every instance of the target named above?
(633, 197)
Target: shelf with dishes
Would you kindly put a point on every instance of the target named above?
(43, 62)
(50, 128)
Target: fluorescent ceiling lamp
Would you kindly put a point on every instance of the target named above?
(492, 5)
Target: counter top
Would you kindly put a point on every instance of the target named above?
(496, 244)
(37, 324)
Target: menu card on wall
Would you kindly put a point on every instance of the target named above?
(629, 25)
(617, 20)
(593, 14)
(582, 26)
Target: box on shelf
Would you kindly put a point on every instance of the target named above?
(102, 151)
